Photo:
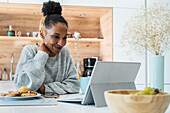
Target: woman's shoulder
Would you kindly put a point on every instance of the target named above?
(65, 50)
(31, 49)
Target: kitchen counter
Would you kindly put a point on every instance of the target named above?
(61, 107)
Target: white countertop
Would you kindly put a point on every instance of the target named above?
(59, 108)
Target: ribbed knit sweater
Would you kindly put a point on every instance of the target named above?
(58, 74)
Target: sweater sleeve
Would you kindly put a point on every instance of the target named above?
(69, 85)
(30, 69)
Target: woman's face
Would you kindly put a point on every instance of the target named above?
(55, 38)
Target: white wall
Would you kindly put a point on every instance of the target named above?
(122, 11)
(121, 16)
(98, 3)
(150, 2)
(128, 3)
(32, 1)
(3, 1)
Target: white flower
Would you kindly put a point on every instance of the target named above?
(149, 29)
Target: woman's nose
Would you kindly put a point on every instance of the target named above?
(61, 42)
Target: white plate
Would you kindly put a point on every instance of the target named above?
(29, 97)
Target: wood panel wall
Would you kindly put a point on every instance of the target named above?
(106, 46)
(23, 23)
(22, 18)
(96, 23)
(15, 46)
(88, 28)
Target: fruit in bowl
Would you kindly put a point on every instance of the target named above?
(133, 101)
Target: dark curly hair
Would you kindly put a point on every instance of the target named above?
(52, 10)
(51, 7)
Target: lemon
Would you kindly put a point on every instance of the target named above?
(141, 93)
(147, 90)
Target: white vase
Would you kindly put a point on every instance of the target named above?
(156, 71)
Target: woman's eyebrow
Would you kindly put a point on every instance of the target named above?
(57, 33)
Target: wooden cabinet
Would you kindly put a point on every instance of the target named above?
(128, 3)
(98, 3)
(97, 23)
(32, 1)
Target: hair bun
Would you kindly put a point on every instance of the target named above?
(51, 7)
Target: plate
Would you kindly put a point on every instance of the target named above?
(29, 97)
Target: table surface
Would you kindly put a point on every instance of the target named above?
(61, 107)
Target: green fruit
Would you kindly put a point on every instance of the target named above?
(147, 90)
(136, 93)
(153, 93)
(141, 93)
(132, 94)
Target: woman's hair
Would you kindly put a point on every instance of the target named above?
(52, 15)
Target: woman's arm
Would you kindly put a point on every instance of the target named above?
(30, 68)
(70, 84)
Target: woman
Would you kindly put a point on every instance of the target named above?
(49, 67)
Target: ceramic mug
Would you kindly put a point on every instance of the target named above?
(28, 34)
(84, 83)
(35, 34)
(76, 35)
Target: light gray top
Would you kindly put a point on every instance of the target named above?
(58, 73)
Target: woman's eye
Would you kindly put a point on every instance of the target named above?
(65, 37)
(55, 36)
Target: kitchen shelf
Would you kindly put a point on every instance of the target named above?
(39, 39)
(19, 38)
(86, 40)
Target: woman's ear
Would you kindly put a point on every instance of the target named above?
(41, 34)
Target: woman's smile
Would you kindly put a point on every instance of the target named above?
(57, 48)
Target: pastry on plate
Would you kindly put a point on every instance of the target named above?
(10, 95)
(23, 89)
(27, 94)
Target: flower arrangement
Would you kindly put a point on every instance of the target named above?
(149, 30)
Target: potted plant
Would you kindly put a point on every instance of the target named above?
(149, 31)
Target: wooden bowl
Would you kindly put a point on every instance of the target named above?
(119, 101)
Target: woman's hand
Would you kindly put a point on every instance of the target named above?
(43, 47)
(42, 89)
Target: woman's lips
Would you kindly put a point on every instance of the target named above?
(57, 48)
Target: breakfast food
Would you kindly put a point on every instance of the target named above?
(23, 89)
(10, 95)
(33, 92)
(3, 94)
(27, 94)
(21, 92)
(16, 93)
(148, 91)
